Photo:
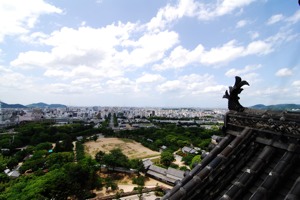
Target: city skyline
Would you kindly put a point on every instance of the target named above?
(166, 53)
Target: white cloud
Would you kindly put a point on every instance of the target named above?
(274, 19)
(253, 35)
(148, 82)
(296, 89)
(63, 88)
(10, 80)
(120, 85)
(18, 17)
(192, 84)
(31, 59)
(150, 48)
(89, 86)
(295, 18)
(99, 49)
(239, 72)
(181, 57)
(33, 38)
(241, 23)
(258, 47)
(252, 77)
(191, 8)
(296, 84)
(247, 73)
(281, 37)
(170, 86)
(227, 6)
(57, 73)
(271, 93)
(199, 84)
(1, 55)
(284, 72)
(150, 78)
(225, 53)
(87, 60)
(215, 89)
(82, 81)
(231, 51)
(84, 72)
(95, 59)
(169, 13)
(88, 37)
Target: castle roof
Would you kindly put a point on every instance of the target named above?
(257, 159)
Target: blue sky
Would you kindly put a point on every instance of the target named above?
(164, 53)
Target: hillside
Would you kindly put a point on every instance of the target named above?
(277, 107)
(44, 105)
(5, 105)
(34, 105)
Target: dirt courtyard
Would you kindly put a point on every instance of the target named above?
(129, 147)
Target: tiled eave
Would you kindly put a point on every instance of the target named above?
(279, 123)
(257, 159)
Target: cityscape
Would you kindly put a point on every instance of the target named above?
(126, 115)
(133, 153)
(149, 100)
(164, 159)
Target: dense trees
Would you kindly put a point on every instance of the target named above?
(34, 133)
(64, 145)
(70, 180)
(167, 158)
(187, 159)
(56, 175)
(140, 181)
(170, 135)
(79, 151)
(59, 159)
(137, 164)
(52, 176)
(99, 157)
(115, 158)
(44, 146)
(3, 162)
(196, 159)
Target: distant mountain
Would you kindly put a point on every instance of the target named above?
(277, 107)
(34, 105)
(44, 105)
(37, 105)
(57, 106)
(5, 105)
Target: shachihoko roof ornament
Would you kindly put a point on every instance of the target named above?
(232, 96)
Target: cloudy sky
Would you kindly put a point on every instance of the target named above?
(165, 53)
